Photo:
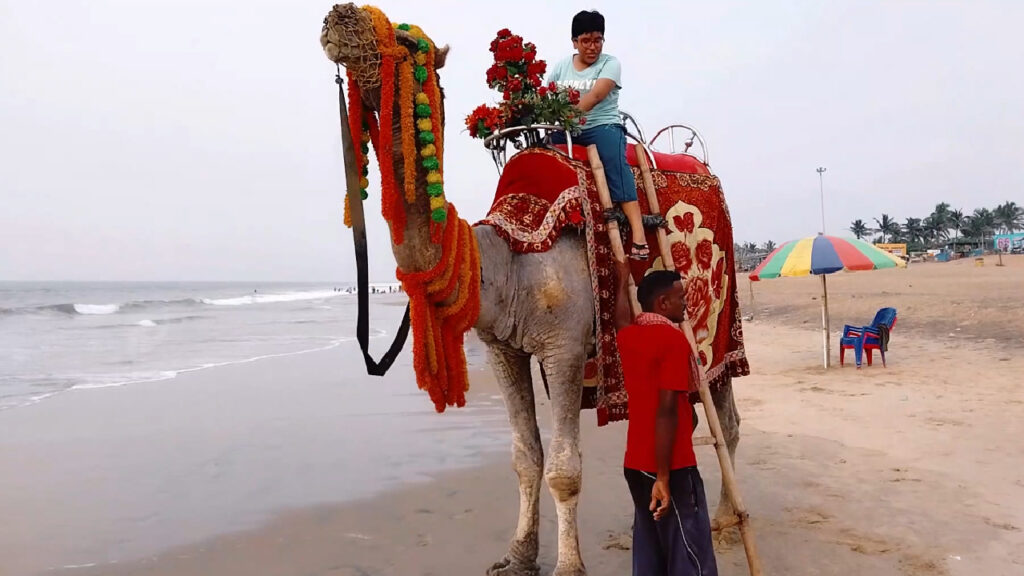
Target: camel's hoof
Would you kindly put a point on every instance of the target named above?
(573, 570)
(510, 567)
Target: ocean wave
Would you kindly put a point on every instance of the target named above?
(272, 298)
(91, 309)
(96, 309)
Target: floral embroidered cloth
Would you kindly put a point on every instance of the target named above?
(542, 193)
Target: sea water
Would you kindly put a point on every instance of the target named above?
(75, 335)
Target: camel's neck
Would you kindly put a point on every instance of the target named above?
(416, 253)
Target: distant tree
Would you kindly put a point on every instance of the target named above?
(913, 230)
(936, 228)
(1009, 217)
(888, 227)
(769, 246)
(957, 221)
(941, 214)
(859, 229)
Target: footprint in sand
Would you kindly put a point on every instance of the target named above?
(462, 514)
(1001, 525)
(618, 541)
(809, 515)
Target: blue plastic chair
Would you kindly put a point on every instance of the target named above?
(866, 338)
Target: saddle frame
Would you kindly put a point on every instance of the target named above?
(523, 137)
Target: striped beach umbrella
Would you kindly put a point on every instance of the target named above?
(821, 255)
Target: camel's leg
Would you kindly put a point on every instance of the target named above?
(729, 418)
(564, 469)
(512, 370)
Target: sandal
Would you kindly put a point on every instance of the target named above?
(639, 252)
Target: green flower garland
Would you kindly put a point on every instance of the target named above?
(423, 112)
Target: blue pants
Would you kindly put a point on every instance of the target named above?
(680, 543)
(610, 140)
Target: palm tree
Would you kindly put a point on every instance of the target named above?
(980, 224)
(769, 246)
(914, 230)
(936, 228)
(888, 227)
(957, 221)
(1009, 217)
(941, 213)
(859, 229)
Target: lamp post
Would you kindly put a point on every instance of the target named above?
(824, 286)
(821, 182)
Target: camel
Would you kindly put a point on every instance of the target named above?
(531, 305)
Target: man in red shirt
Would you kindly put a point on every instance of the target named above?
(671, 526)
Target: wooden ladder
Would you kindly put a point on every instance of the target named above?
(741, 518)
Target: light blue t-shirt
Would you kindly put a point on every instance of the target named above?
(565, 74)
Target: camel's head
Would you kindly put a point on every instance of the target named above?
(348, 39)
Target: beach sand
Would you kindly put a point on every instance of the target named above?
(913, 469)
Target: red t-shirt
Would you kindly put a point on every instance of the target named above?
(655, 357)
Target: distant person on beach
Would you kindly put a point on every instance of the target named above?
(671, 524)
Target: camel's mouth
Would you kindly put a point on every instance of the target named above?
(349, 39)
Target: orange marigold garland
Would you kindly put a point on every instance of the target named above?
(405, 94)
(391, 208)
(439, 331)
(438, 328)
(358, 124)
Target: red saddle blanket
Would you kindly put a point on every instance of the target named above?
(542, 192)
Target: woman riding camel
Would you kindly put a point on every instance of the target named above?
(597, 76)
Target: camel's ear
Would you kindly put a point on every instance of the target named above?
(440, 55)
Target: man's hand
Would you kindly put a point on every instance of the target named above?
(661, 498)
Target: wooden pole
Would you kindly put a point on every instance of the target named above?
(826, 337)
(742, 518)
(729, 480)
(613, 227)
(664, 247)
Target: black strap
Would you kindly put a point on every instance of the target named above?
(355, 207)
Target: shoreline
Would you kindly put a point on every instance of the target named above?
(119, 473)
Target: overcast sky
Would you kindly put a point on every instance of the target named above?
(188, 140)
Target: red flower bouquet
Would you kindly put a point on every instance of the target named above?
(519, 75)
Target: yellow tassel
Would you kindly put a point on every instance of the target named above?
(363, 183)
(433, 177)
(421, 58)
(436, 202)
(428, 151)
(424, 125)
(422, 98)
(348, 216)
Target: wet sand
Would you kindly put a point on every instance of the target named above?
(912, 469)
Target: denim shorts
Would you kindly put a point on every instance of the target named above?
(610, 140)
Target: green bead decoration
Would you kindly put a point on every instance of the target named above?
(423, 110)
(427, 137)
(404, 27)
(423, 46)
(430, 163)
(366, 171)
(439, 214)
(365, 149)
(363, 193)
(435, 189)
(420, 73)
